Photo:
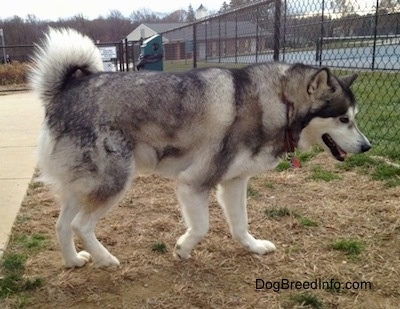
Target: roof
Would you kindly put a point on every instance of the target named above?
(205, 31)
(163, 27)
(147, 30)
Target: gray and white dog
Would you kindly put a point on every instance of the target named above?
(205, 128)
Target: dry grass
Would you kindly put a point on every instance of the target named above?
(220, 273)
(14, 73)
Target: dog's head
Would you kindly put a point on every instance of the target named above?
(331, 122)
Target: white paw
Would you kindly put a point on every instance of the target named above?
(260, 246)
(80, 260)
(180, 254)
(109, 261)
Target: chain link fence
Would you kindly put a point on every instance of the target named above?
(347, 36)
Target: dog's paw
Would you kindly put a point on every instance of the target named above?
(109, 261)
(260, 246)
(179, 254)
(80, 260)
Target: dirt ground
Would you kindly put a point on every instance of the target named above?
(220, 273)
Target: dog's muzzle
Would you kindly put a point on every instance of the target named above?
(337, 152)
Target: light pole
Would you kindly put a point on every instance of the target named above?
(4, 46)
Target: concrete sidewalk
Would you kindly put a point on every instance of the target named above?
(21, 115)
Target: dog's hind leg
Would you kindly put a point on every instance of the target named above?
(84, 224)
(231, 196)
(194, 207)
(69, 209)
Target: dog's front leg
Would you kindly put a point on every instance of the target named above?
(231, 196)
(194, 207)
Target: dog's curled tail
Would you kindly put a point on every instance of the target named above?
(63, 53)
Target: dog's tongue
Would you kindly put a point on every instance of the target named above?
(342, 154)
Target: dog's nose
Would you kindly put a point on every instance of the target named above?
(365, 147)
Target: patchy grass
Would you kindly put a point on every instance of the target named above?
(351, 247)
(302, 156)
(318, 173)
(282, 212)
(159, 247)
(278, 212)
(252, 193)
(268, 185)
(283, 165)
(377, 167)
(306, 156)
(305, 221)
(13, 280)
(35, 185)
(389, 174)
(363, 161)
(32, 243)
(303, 217)
(13, 263)
(306, 300)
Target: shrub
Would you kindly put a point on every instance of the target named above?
(14, 73)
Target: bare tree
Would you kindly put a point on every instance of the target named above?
(342, 7)
(389, 6)
(178, 16)
(144, 16)
(119, 26)
(236, 3)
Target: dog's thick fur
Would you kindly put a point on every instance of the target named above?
(206, 127)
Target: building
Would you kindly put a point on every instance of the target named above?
(201, 12)
(144, 31)
(215, 38)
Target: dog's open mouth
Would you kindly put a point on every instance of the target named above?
(336, 151)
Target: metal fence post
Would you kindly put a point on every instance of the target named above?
(257, 30)
(126, 55)
(277, 29)
(4, 46)
(375, 35)
(219, 40)
(321, 39)
(133, 55)
(236, 37)
(284, 30)
(195, 46)
(121, 56)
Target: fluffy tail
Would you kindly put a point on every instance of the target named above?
(63, 52)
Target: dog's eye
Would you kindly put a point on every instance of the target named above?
(344, 119)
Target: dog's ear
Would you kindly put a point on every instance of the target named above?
(348, 80)
(319, 81)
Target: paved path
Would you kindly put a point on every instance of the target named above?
(21, 115)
